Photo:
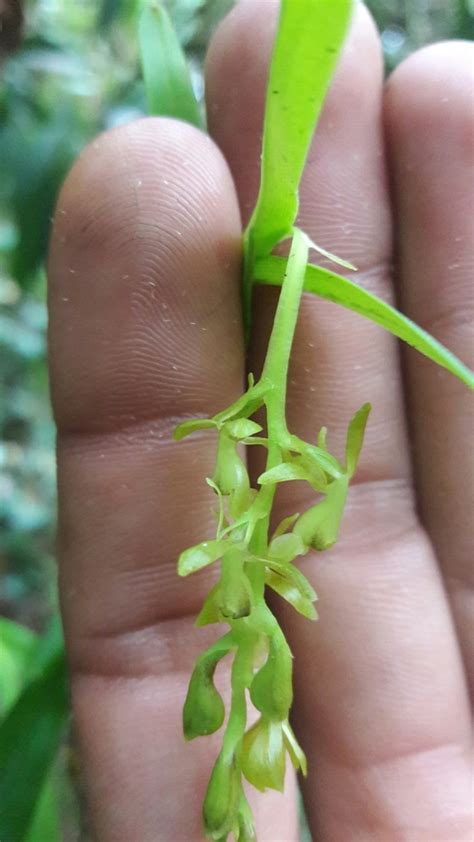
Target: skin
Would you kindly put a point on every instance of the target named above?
(145, 331)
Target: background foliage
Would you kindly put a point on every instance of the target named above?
(76, 73)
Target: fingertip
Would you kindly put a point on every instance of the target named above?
(143, 272)
(122, 165)
(430, 96)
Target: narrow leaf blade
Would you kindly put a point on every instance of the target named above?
(333, 287)
(29, 739)
(167, 81)
(309, 38)
(355, 437)
(17, 645)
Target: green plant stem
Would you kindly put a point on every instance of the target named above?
(247, 281)
(274, 377)
(241, 678)
(275, 370)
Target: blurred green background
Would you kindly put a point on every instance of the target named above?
(72, 73)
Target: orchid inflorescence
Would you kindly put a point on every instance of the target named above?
(250, 560)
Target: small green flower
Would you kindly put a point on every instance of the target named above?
(318, 527)
(231, 475)
(222, 798)
(263, 755)
(204, 711)
(234, 595)
(271, 689)
(287, 589)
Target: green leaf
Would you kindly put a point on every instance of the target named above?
(111, 11)
(23, 655)
(167, 81)
(46, 820)
(29, 738)
(307, 45)
(333, 287)
(17, 646)
(195, 558)
(41, 159)
(309, 38)
(355, 438)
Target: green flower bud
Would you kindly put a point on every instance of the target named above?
(319, 526)
(263, 755)
(271, 689)
(230, 470)
(231, 476)
(222, 797)
(235, 592)
(204, 711)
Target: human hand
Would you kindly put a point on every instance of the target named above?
(145, 331)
